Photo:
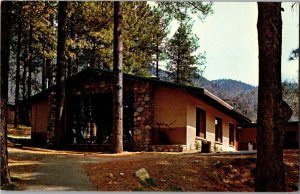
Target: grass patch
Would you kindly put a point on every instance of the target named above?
(151, 182)
(175, 188)
(13, 185)
(9, 187)
(139, 189)
(15, 179)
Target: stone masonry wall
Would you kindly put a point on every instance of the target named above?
(143, 115)
(167, 148)
(143, 106)
(92, 88)
(51, 119)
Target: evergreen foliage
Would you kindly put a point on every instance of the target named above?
(184, 64)
(294, 54)
(182, 10)
(89, 39)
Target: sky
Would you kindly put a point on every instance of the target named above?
(229, 38)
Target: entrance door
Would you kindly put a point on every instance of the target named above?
(102, 116)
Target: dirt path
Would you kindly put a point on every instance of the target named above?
(51, 170)
(56, 172)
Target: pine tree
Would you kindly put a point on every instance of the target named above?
(184, 65)
(183, 10)
(60, 72)
(273, 113)
(18, 65)
(5, 39)
(117, 131)
(159, 31)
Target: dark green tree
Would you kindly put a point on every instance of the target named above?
(143, 30)
(184, 65)
(183, 10)
(159, 31)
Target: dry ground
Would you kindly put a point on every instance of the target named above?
(115, 172)
(42, 169)
(21, 132)
(185, 172)
(21, 170)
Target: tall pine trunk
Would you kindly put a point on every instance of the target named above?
(30, 53)
(5, 38)
(44, 67)
(117, 131)
(273, 113)
(157, 56)
(72, 36)
(49, 73)
(25, 65)
(60, 73)
(17, 90)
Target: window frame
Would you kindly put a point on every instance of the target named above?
(219, 130)
(231, 134)
(200, 123)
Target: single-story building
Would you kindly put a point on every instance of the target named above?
(249, 131)
(158, 115)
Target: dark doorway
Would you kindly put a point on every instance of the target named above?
(102, 116)
(89, 118)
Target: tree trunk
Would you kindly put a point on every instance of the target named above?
(178, 66)
(72, 36)
(44, 67)
(60, 73)
(273, 113)
(117, 131)
(44, 74)
(69, 67)
(25, 64)
(49, 72)
(5, 38)
(17, 90)
(157, 56)
(29, 62)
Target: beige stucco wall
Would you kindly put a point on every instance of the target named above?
(10, 116)
(39, 116)
(170, 109)
(173, 105)
(211, 113)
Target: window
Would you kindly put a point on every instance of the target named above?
(218, 131)
(290, 136)
(231, 134)
(200, 123)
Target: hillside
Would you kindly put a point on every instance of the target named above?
(242, 96)
(228, 84)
